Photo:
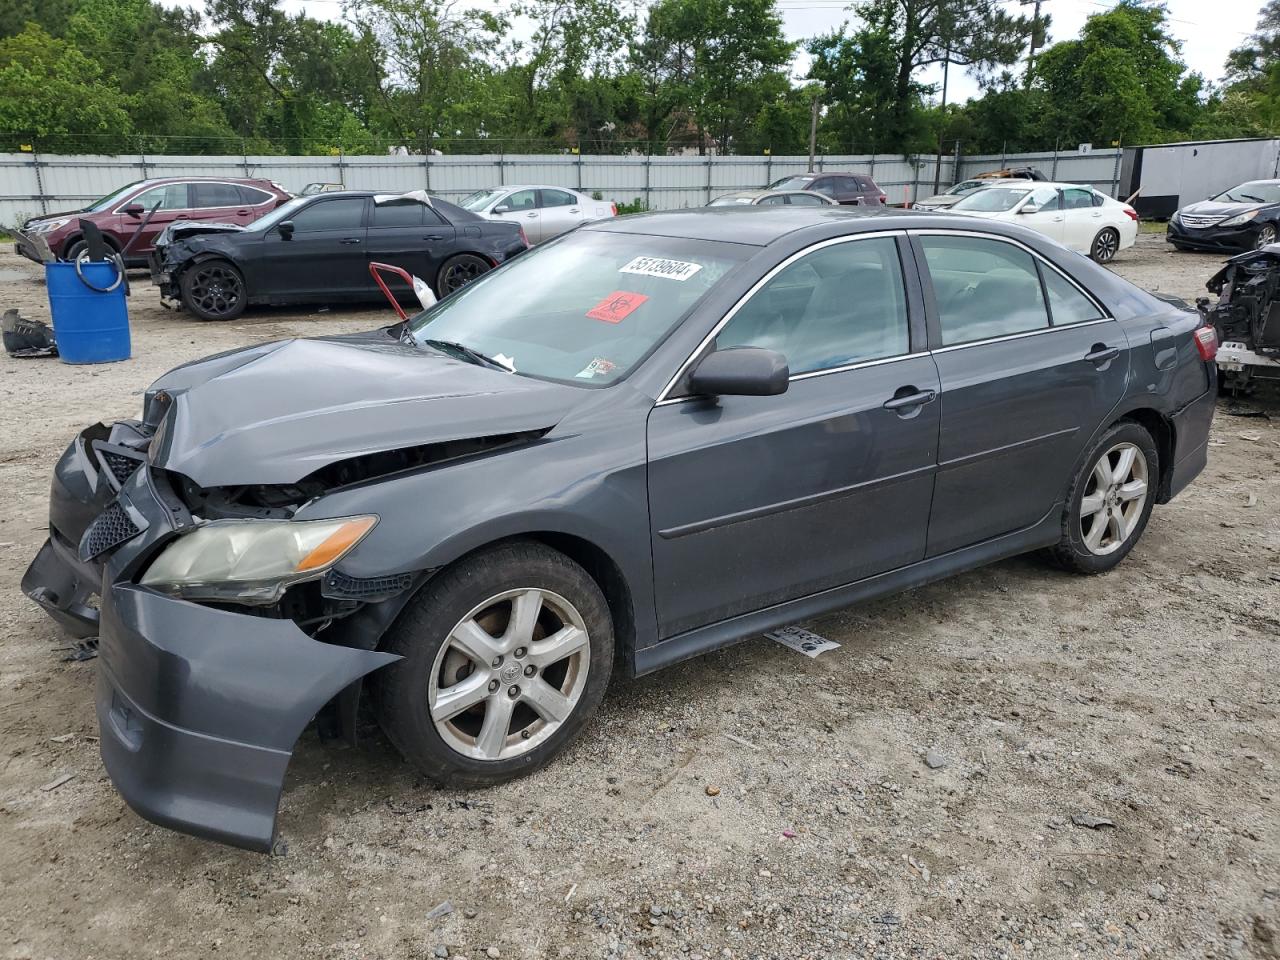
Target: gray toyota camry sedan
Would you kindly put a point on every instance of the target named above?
(647, 439)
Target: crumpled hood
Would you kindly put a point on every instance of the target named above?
(274, 413)
(1219, 210)
(190, 228)
(939, 200)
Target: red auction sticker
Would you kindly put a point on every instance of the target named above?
(616, 305)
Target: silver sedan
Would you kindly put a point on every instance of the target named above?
(544, 212)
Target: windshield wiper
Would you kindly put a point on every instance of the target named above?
(1250, 196)
(468, 353)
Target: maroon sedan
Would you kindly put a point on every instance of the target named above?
(120, 214)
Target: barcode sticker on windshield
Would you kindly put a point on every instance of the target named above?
(658, 267)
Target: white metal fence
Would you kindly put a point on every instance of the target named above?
(35, 183)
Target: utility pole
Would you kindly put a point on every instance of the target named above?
(813, 132)
(1035, 30)
(937, 167)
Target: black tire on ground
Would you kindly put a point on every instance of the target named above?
(456, 272)
(213, 290)
(402, 692)
(1072, 552)
(1105, 245)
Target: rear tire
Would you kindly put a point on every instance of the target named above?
(1108, 506)
(458, 271)
(213, 290)
(1105, 245)
(486, 692)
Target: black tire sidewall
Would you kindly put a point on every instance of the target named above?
(1093, 250)
(188, 303)
(1071, 549)
(441, 292)
(401, 690)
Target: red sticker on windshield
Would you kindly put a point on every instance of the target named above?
(616, 305)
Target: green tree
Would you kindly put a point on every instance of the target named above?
(1257, 56)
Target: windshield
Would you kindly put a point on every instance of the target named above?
(966, 186)
(282, 212)
(480, 199)
(111, 199)
(584, 309)
(1256, 191)
(992, 200)
(791, 183)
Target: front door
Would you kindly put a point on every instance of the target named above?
(522, 207)
(1048, 218)
(171, 203)
(323, 256)
(1024, 384)
(759, 500)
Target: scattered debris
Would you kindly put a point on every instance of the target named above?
(713, 790)
(26, 338)
(440, 910)
(55, 783)
(1253, 499)
(802, 640)
(1251, 437)
(1090, 821)
(82, 650)
(740, 741)
(63, 738)
(935, 760)
(789, 833)
(572, 890)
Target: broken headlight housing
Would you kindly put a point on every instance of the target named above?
(253, 561)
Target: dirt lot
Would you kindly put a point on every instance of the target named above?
(1147, 697)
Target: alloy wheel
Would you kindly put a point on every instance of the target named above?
(1106, 246)
(458, 275)
(1114, 498)
(509, 674)
(1266, 235)
(216, 289)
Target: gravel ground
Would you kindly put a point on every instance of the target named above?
(910, 794)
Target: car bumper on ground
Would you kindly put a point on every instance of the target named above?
(1227, 239)
(199, 708)
(23, 246)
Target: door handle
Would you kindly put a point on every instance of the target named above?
(917, 398)
(1101, 354)
(242, 213)
(349, 240)
(530, 216)
(574, 210)
(1096, 215)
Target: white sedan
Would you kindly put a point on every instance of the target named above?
(1077, 217)
(544, 212)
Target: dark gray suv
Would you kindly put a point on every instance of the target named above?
(650, 438)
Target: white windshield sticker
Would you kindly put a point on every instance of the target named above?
(658, 267)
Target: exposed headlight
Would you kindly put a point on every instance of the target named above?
(48, 226)
(253, 561)
(1239, 221)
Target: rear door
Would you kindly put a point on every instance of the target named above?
(758, 500)
(1082, 219)
(173, 205)
(560, 212)
(1030, 366)
(411, 236)
(324, 256)
(217, 203)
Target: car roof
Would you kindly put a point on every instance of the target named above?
(756, 226)
(528, 186)
(160, 181)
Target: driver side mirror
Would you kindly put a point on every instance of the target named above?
(1029, 208)
(286, 229)
(741, 372)
(502, 208)
(134, 210)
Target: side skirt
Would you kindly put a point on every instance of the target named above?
(713, 636)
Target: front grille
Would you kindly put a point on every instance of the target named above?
(112, 528)
(339, 586)
(121, 467)
(1192, 221)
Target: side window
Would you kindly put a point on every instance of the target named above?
(252, 195)
(805, 200)
(983, 288)
(1066, 303)
(558, 198)
(848, 185)
(214, 195)
(406, 214)
(842, 304)
(1047, 198)
(1078, 199)
(521, 200)
(346, 213)
(433, 218)
(1098, 199)
(824, 185)
(774, 200)
(172, 196)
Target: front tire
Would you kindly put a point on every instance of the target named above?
(1266, 236)
(1105, 245)
(213, 290)
(506, 657)
(1110, 500)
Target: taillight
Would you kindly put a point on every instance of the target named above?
(614, 207)
(1131, 213)
(1206, 343)
(524, 239)
(883, 198)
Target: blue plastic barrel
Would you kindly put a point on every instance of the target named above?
(90, 320)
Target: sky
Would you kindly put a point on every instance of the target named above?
(1208, 29)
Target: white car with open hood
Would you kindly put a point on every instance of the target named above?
(1078, 217)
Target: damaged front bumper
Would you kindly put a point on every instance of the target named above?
(199, 707)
